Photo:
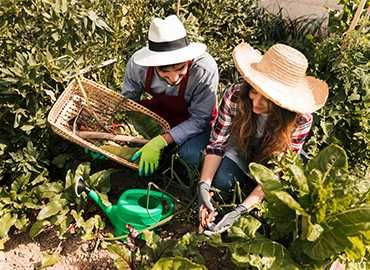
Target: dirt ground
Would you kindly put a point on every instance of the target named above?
(23, 253)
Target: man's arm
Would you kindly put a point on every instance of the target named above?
(133, 84)
(203, 100)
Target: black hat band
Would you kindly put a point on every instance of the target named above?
(168, 45)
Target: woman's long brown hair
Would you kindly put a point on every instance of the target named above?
(277, 132)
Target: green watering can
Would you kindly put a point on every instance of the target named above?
(140, 208)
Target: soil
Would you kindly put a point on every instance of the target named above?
(23, 253)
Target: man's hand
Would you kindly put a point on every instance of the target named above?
(149, 155)
(227, 221)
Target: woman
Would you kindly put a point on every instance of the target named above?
(268, 114)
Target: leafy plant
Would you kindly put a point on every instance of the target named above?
(313, 215)
(343, 62)
(340, 19)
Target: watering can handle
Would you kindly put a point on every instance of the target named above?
(80, 186)
(171, 205)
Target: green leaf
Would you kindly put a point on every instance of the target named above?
(246, 227)
(49, 259)
(144, 124)
(51, 209)
(101, 180)
(262, 254)
(299, 179)
(337, 230)
(121, 252)
(38, 227)
(331, 158)
(177, 263)
(265, 177)
(6, 222)
(83, 170)
(288, 200)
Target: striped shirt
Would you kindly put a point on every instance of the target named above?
(221, 130)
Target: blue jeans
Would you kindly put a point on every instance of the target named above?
(192, 150)
(226, 175)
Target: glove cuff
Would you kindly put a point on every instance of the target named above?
(241, 209)
(162, 141)
(204, 185)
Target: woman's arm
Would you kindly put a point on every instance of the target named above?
(210, 166)
(255, 197)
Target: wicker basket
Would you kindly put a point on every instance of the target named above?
(101, 99)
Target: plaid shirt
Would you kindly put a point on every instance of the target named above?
(222, 128)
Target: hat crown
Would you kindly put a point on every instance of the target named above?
(284, 64)
(165, 30)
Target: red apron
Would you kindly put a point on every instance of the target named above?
(173, 109)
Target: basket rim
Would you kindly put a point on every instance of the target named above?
(68, 134)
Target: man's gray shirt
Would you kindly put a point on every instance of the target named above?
(200, 93)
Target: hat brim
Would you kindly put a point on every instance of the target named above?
(307, 96)
(146, 57)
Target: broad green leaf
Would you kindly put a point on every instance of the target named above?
(265, 177)
(124, 151)
(38, 227)
(144, 124)
(332, 157)
(246, 227)
(262, 254)
(299, 179)
(334, 239)
(177, 263)
(288, 200)
(69, 181)
(49, 190)
(83, 170)
(51, 209)
(20, 182)
(6, 222)
(120, 251)
(101, 180)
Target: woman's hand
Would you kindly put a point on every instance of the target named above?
(227, 221)
(206, 209)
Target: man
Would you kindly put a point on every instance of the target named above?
(182, 79)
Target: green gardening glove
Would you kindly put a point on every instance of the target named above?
(149, 155)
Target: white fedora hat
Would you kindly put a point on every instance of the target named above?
(280, 75)
(167, 44)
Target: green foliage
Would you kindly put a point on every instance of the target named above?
(145, 125)
(328, 215)
(343, 61)
(44, 43)
(177, 263)
(340, 20)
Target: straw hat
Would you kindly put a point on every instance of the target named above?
(280, 76)
(167, 44)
